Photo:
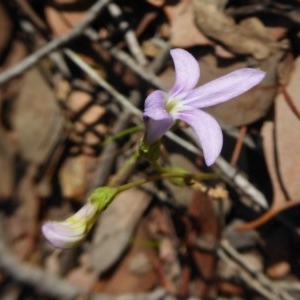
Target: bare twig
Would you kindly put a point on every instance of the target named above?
(257, 279)
(127, 60)
(104, 84)
(53, 45)
(129, 34)
(248, 279)
(238, 146)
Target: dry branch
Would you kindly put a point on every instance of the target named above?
(55, 44)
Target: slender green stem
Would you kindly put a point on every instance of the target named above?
(129, 163)
(122, 133)
(186, 176)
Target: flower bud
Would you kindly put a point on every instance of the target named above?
(71, 232)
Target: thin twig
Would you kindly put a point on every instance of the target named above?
(104, 84)
(130, 37)
(238, 146)
(53, 45)
(247, 278)
(258, 276)
(126, 59)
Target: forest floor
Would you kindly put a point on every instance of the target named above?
(74, 75)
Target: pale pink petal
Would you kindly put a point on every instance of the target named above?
(224, 88)
(187, 71)
(208, 132)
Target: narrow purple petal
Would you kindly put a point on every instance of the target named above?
(155, 106)
(208, 132)
(224, 88)
(187, 71)
(155, 129)
(157, 120)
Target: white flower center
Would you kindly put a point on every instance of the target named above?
(172, 104)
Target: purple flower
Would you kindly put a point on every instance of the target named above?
(184, 100)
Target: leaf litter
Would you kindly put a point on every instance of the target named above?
(160, 241)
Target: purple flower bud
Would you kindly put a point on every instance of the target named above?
(71, 232)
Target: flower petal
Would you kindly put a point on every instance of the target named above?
(187, 71)
(155, 129)
(157, 120)
(155, 106)
(62, 234)
(224, 88)
(72, 231)
(208, 132)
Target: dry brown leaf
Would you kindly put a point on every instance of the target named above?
(248, 37)
(268, 135)
(37, 120)
(279, 197)
(116, 226)
(73, 176)
(135, 272)
(205, 234)
(184, 32)
(287, 128)
(61, 21)
(82, 277)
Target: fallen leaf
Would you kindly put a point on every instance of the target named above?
(115, 228)
(181, 18)
(287, 128)
(248, 37)
(37, 119)
(73, 176)
(134, 272)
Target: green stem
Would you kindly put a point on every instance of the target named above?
(142, 181)
(129, 163)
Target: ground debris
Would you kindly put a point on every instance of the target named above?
(74, 77)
